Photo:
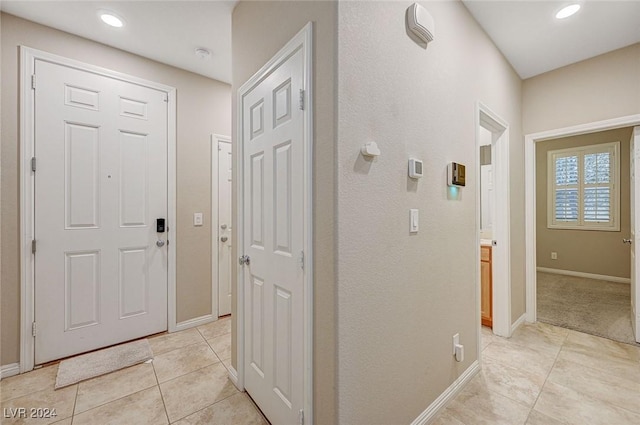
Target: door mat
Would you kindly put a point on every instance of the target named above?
(97, 363)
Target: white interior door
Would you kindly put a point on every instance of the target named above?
(225, 219)
(100, 184)
(273, 238)
(635, 219)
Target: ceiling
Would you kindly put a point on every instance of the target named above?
(526, 32)
(534, 41)
(165, 31)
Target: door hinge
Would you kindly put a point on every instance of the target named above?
(301, 417)
(33, 81)
(33, 246)
(301, 100)
(33, 329)
(33, 164)
(302, 260)
(166, 98)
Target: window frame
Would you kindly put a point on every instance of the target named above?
(613, 225)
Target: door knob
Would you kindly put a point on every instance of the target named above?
(627, 241)
(244, 260)
(224, 238)
(160, 243)
(224, 226)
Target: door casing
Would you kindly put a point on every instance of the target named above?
(530, 141)
(28, 57)
(303, 40)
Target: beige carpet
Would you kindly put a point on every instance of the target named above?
(101, 362)
(596, 307)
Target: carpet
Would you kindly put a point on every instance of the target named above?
(101, 362)
(596, 307)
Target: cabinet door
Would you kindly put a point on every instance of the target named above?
(485, 293)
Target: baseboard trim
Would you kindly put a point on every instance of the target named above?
(444, 398)
(9, 370)
(233, 376)
(518, 322)
(585, 275)
(196, 321)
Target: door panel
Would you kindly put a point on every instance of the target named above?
(101, 181)
(225, 224)
(635, 219)
(273, 160)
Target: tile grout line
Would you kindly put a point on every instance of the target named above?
(75, 401)
(166, 413)
(555, 360)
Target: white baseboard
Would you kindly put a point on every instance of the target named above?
(196, 321)
(233, 376)
(9, 370)
(518, 322)
(585, 275)
(444, 398)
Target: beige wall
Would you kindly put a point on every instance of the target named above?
(607, 86)
(260, 29)
(402, 297)
(204, 107)
(584, 251)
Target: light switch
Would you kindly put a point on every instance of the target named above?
(414, 220)
(197, 219)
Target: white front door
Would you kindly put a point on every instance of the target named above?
(273, 237)
(225, 219)
(635, 219)
(100, 185)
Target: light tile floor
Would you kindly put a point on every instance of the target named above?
(186, 384)
(546, 375)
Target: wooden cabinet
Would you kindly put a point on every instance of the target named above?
(486, 284)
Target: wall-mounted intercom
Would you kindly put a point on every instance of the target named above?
(415, 168)
(455, 174)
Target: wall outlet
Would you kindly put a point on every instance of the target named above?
(554, 255)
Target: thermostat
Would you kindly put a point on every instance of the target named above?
(455, 174)
(415, 168)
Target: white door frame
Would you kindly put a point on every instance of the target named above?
(530, 141)
(304, 38)
(215, 226)
(501, 253)
(28, 57)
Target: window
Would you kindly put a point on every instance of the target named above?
(584, 190)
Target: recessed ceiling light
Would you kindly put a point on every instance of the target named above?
(567, 11)
(203, 53)
(111, 19)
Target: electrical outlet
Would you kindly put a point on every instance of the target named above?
(554, 255)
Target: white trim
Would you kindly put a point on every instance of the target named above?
(518, 322)
(585, 275)
(449, 394)
(196, 321)
(530, 192)
(28, 57)
(233, 376)
(501, 253)
(303, 38)
(215, 224)
(8, 370)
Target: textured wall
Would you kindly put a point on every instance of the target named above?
(255, 40)
(401, 297)
(204, 107)
(607, 86)
(581, 250)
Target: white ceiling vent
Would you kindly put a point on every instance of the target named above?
(421, 22)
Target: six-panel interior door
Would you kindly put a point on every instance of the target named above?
(225, 218)
(635, 219)
(100, 184)
(273, 237)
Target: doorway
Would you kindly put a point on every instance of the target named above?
(274, 225)
(531, 142)
(97, 208)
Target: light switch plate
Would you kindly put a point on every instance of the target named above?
(197, 219)
(414, 220)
